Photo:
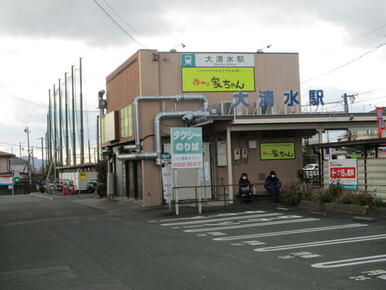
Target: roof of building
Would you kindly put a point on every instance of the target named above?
(362, 142)
(6, 154)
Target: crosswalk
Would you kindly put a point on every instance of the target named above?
(262, 231)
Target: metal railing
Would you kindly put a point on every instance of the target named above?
(225, 189)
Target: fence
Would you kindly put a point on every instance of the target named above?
(19, 188)
(225, 189)
(371, 173)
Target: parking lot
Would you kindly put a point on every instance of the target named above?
(79, 242)
(336, 252)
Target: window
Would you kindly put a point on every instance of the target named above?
(126, 121)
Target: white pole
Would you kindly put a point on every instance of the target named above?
(176, 191)
(229, 163)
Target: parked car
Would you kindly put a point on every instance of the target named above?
(310, 170)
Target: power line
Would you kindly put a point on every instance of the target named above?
(120, 27)
(120, 18)
(355, 39)
(345, 64)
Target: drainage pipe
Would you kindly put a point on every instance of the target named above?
(178, 98)
(157, 127)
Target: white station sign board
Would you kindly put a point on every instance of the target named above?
(187, 147)
(344, 172)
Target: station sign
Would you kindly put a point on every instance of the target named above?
(217, 60)
(187, 147)
(344, 172)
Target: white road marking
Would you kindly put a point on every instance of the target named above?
(291, 232)
(42, 196)
(211, 229)
(229, 223)
(213, 216)
(221, 219)
(322, 243)
(350, 262)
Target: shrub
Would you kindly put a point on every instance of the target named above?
(324, 196)
(346, 197)
(363, 198)
(102, 189)
(292, 199)
(334, 190)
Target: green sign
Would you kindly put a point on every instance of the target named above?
(188, 59)
(277, 151)
(187, 147)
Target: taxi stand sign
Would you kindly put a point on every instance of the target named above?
(187, 147)
(344, 172)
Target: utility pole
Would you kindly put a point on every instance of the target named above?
(97, 139)
(49, 121)
(26, 130)
(32, 158)
(66, 120)
(73, 116)
(345, 101)
(19, 149)
(346, 109)
(60, 124)
(81, 113)
(89, 152)
(55, 130)
(42, 148)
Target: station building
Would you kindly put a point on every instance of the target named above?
(248, 105)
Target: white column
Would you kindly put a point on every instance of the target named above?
(229, 163)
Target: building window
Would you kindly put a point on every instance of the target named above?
(126, 121)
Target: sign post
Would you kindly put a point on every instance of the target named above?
(344, 173)
(187, 152)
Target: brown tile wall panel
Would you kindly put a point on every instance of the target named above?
(123, 84)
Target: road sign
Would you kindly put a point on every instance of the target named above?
(166, 158)
(344, 173)
(187, 147)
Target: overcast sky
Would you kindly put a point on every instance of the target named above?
(340, 45)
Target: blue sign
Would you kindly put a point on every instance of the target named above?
(316, 97)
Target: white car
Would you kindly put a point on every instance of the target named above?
(311, 170)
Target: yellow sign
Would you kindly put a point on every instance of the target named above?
(277, 151)
(82, 176)
(216, 79)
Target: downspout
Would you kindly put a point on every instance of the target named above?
(178, 98)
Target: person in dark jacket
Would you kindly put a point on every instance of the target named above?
(245, 188)
(273, 185)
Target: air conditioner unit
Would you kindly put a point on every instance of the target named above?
(259, 110)
(226, 108)
(241, 110)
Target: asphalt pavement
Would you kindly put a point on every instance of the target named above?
(79, 242)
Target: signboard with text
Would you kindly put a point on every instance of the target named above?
(344, 173)
(6, 180)
(217, 60)
(187, 147)
(380, 121)
(218, 79)
(277, 151)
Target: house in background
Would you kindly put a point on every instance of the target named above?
(5, 161)
(19, 164)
